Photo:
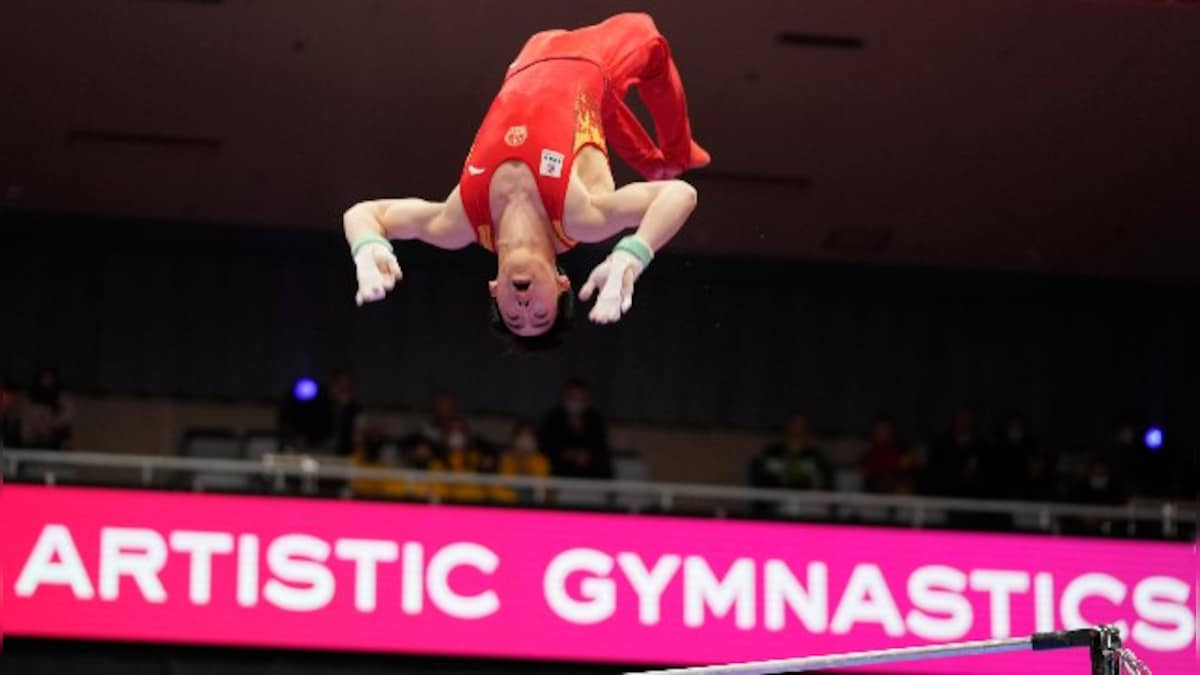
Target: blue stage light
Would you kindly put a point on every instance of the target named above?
(305, 389)
(1154, 438)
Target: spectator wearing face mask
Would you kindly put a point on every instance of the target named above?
(521, 459)
(443, 410)
(43, 420)
(461, 455)
(575, 436)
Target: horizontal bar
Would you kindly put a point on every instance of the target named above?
(899, 655)
(650, 490)
(1080, 637)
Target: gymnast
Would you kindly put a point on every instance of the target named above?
(537, 180)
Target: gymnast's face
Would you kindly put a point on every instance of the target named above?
(526, 290)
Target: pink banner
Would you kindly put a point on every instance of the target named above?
(278, 572)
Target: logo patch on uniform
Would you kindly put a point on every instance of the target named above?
(552, 163)
(516, 135)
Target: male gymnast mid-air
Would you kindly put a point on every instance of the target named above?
(537, 179)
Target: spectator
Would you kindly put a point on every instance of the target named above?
(8, 414)
(575, 436)
(462, 456)
(368, 454)
(958, 462)
(1099, 486)
(793, 462)
(347, 413)
(1031, 471)
(887, 467)
(521, 459)
(419, 454)
(422, 455)
(443, 410)
(766, 469)
(43, 420)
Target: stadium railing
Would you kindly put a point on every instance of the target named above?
(282, 473)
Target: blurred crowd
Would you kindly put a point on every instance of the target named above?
(570, 441)
(964, 461)
(41, 418)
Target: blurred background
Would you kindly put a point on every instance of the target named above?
(945, 249)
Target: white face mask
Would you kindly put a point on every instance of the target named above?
(456, 440)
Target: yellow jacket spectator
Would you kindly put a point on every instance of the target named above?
(367, 454)
(461, 456)
(521, 459)
(420, 455)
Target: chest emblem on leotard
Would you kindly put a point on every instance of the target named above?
(516, 135)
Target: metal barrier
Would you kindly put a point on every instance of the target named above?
(277, 469)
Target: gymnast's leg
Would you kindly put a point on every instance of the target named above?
(642, 59)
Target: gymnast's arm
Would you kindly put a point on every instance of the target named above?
(658, 209)
(441, 224)
(369, 225)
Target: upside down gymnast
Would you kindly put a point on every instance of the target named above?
(537, 180)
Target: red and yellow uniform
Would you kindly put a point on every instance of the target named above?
(566, 91)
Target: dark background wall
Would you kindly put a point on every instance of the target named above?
(229, 313)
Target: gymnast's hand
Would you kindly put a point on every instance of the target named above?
(614, 277)
(377, 270)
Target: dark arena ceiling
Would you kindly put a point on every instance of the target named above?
(1042, 135)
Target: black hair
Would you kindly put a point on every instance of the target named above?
(551, 339)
